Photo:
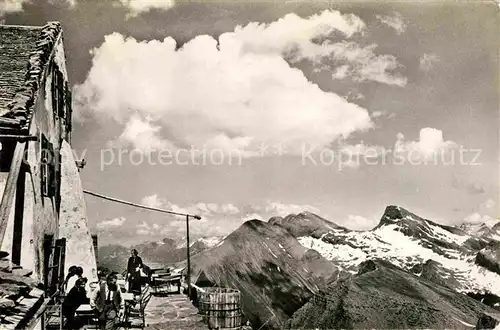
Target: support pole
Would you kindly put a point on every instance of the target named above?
(188, 275)
(197, 217)
(10, 188)
(17, 239)
(19, 138)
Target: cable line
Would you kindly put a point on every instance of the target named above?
(116, 200)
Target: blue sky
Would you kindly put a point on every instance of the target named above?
(260, 82)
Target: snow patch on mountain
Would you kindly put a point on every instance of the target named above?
(349, 249)
(209, 242)
(489, 229)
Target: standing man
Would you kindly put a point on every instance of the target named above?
(108, 302)
(134, 272)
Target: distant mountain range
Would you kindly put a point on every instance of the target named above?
(154, 254)
(303, 271)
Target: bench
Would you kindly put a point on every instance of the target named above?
(166, 279)
(136, 311)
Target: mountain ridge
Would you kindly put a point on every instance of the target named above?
(408, 240)
(383, 296)
(281, 265)
(273, 271)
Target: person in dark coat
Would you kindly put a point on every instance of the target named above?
(76, 297)
(108, 302)
(134, 268)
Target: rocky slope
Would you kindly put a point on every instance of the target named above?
(305, 223)
(383, 296)
(406, 272)
(488, 230)
(275, 274)
(465, 262)
(489, 257)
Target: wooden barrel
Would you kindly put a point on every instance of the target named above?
(221, 307)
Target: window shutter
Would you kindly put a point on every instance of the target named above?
(45, 166)
(50, 169)
(60, 94)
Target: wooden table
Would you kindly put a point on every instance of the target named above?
(122, 285)
(127, 296)
(84, 308)
(166, 279)
(85, 313)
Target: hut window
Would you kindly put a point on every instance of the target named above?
(58, 98)
(49, 164)
(67, 94)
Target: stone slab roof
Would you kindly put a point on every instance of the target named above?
(24, 53)
(17, 44)
(19, 295)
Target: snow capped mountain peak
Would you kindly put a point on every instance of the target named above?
(307, 253)
(409, 241)
(305, 223)
(486, 230)
(207, 242)
(211, 241)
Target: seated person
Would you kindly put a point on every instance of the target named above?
(76, 297)
(74, 273)
(107, 301)
(71, 273)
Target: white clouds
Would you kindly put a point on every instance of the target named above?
(396, 21)
(358, 222)
(229, 209)
(476, 218)
(108, 224)
(15, 6)
(427, 61)
(142, 135)
(361, 149)
(488, 204)
(353, 155)
(152, 201)
(71, 3)
(193, 96)
(143, 229)
(11, 6)
(201, 102)
(211, 209)
(297, 38)
(480, 217)
(206, 210)
(141, 6)
(341, 72)
(363, 64)
(430, 143)
(464, 183)
(354, 96)
(293, 34)
(252, 216)
(217, 218)
(281, 209)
